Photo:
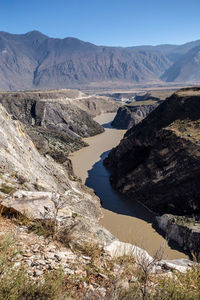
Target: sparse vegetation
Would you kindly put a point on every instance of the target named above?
(16, 284)
(178, 287)
(7, 189)
(122, 278)
(145, 267)
(182, 286)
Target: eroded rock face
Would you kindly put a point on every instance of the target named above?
(37, 205)
(29, 180)
(128, 115)
(95, 105)
(57, 120)
(183, 230)
(117, 249)
(58, 114)
(158, 161)
(55, 124)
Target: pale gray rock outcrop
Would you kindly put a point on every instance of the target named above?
(117, 249)
(37, 205)
(28, 179)
(186, 234)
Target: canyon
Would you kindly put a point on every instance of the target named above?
(129, 221)
(51, 215)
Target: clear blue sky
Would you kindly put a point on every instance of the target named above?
(106, 22)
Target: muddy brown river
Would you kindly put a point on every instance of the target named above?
(125, 218)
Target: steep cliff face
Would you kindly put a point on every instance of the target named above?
(128, 115)
(96, 105)
(59, 114)
(183, 230)
(158, 161)
(35, 185)
(57, 120)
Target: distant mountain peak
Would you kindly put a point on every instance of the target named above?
(35, 35)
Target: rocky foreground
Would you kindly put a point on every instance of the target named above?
(51, 244)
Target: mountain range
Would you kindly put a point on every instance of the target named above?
(36, 61)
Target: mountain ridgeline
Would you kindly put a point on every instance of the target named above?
(35, 61)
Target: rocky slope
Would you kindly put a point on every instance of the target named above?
(55, 112)
(56, 121)
(35, 184)
(158, 161)
(130, 115)
(95, 105)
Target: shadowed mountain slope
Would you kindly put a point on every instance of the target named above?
(158, 160)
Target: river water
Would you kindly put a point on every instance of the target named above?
(127, 219)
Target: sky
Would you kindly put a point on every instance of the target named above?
(106, 22)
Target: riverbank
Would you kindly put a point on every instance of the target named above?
(128, 220)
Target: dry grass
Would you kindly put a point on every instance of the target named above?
(99, 271)
(16, 284)
(7, 189)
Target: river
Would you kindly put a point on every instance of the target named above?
(128, 220)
